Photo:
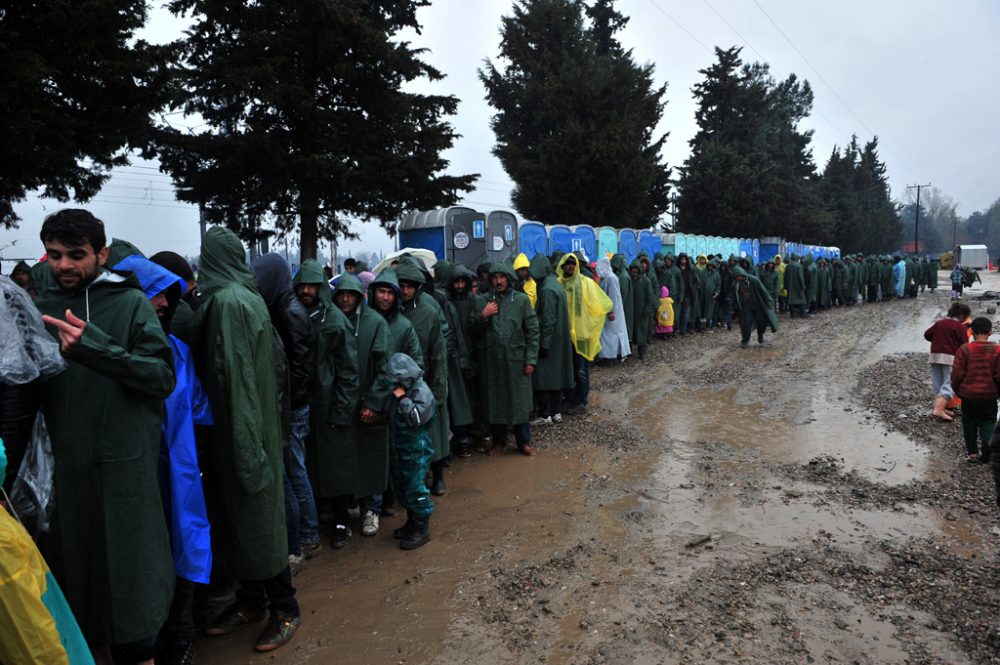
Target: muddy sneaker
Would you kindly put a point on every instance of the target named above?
(526, 449)
(557, 418)
(483, 445)
(280, 629)
(462, 449)
(369, 524)
(309, 550)
(341, 536)
(547, 420)
(296, 562)
(233, 617)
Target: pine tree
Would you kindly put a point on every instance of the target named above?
(309, 122)
(76, 93)
(576, 117)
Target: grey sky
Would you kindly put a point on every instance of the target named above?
(921, 74)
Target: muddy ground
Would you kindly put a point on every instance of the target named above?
(791, 503)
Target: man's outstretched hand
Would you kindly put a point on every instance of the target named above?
(70, 331)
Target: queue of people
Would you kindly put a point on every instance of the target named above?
(206, 429)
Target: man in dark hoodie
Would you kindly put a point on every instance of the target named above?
(291, 320)
(22, 277)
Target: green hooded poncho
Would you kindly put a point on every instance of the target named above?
(244, 473)
(795, 282)
(644, 302)
(505, 344)
(759, 294)
(709, 287)
(555, 349)
(431, 326)
(334, 395)
(109, 547)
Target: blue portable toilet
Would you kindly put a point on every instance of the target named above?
(501, 235)
(732, 247)
(453, 234)
(700, 247)
(532, 239)
(650, 243)
(668, 243)
(756, 252)
(746, 248)
(628, 245)
(680, 243)
(607, 242)
(560, 239)
(770, 248)
(585, 240)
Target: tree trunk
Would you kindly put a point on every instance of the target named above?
(308, 222)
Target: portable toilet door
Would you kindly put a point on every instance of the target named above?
(732, 247)
(680, 244)
(532, 239)
(628, 245)
(501, 235)
(585, 240)
(668, 243)
(650, 243)
(746, 249)
(756, 251)
(441, 230)
(700, 248)
(465, 235)
(607, 242)
(560, 239)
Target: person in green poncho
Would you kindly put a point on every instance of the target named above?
(466, 303)
(431, 327)
(21, 274)
(244, 486)
(708, 296)
(554, 373)
(588, 307)
(378, 335)
(506, 334)
(644, 304)
(330, 454)
(753, 305)
(104, 415)
(795, 283)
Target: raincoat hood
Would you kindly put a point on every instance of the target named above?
(154, 280)
(274, 278)
(385, 278)
(618, 262)
(407, 270)
(522, 262)
(223, 262)
(635, 264)
(603, 268)
(119, 249)
(21, 266)
(311, 272)
(459, 270)
(442, 273)
(539, 268)
(402, 370)
(351, 284)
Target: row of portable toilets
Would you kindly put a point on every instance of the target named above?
(466, 235)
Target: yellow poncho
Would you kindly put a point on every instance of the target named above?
(529, 287)
(779, 267)
(588, 309)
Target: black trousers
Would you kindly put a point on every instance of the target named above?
(549, 402)
(522, 434)
(276, 594)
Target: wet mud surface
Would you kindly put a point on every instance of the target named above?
(789, 503)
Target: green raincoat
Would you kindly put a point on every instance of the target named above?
(431, 326)
(710, 285)
(244, 472)
(555, 349)
(645, 301)
(334, 396)
(109, 547)
(505, 343)
(795, 282)
(761, 298)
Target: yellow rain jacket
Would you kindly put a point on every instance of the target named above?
(701, 262)
(528, 286)
(779, 267)
(588, 309)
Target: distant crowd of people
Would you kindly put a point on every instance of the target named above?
(205, 428)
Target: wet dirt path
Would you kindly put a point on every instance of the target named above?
(716, 505)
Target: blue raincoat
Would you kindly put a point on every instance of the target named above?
(180, 476)
(899, 278)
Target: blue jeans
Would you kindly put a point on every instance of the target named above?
(295, 468)
(685, 316)
(581, 376)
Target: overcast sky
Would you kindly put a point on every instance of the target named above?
(924, 75)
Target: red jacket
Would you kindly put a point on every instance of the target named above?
(946, 337)
(975, 373)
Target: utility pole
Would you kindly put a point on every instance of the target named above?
(916, 218)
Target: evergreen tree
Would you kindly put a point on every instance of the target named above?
(576, 117)
(309, 123)
(76, 93)
(750, 172)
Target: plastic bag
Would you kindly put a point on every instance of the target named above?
(27, 350)
(32, 494)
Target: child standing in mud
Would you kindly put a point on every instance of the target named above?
(975, 377)
(946, 336)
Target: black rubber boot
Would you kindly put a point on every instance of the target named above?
(403, 532)
(418, 536)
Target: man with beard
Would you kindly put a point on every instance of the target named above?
(244, 478)
(104, 415)
(506, 330)
(381, 332)
(329, 453)
(180, 474)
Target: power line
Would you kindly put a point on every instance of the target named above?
(678, 24)
(737, 32)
